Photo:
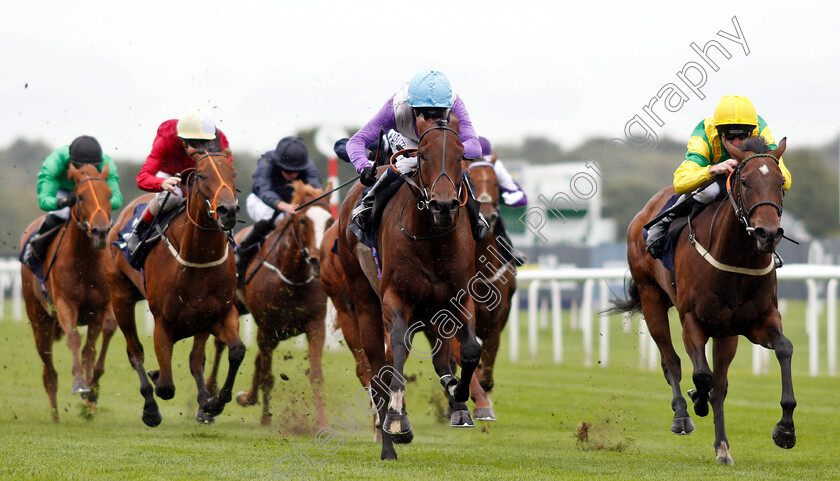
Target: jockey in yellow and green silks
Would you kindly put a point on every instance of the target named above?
(735, 120)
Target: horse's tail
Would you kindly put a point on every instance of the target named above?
(632, 304)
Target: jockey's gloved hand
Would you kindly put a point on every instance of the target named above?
(396, 141)
(368, 176)
(66, 202)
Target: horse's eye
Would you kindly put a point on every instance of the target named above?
(743, 182)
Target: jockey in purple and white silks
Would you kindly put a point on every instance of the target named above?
(429, 95)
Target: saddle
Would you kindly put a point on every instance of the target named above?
(367, 236)
(160, 224)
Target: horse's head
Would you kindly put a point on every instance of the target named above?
(439, 155)
(214, 188)
(486, 184)
(92, 210)
(756, 188)
(311, 222)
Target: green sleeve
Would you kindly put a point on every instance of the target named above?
(55, 166)
(113, 182)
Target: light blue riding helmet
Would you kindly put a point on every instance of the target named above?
(430, 88)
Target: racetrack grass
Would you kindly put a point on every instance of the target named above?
(540, 407)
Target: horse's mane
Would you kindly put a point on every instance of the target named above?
(757, 144)
(302, 191)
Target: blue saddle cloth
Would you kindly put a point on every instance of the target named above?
(670, 249)
(37, 268)
(127, 228)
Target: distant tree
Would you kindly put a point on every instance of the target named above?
(813, 195)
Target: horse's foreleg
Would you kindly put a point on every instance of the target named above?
(372, 334)
(89, 349)
(67, 317)
(212, 383)
(723, 353)
(109, 327)
(164, 384)
(197, 358)
(228, 332)
(316, 333)
(770, 336)
(124, 313)
(695, 345)
(655, 310)
(396, 313)
(44, 330)
(267, 341)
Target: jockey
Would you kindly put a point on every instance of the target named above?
(176, 139)
(735, 120)
(512, 196)
(55, 191)
(428, 95)
(270, 201)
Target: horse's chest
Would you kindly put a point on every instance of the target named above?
(725, 318)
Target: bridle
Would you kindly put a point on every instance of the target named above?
(87, 224)
(211, 206)
(741, 212)
(424, 197)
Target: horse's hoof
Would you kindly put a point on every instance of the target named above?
(682, 426)
(203, 418)
(484, 414)
(243, 400)
(404, 437)
(265, 420)
(388, 454)
(165, 392)
(80, 387)
(784, 438)
(213, 407)
(722, 452)
(397, 425)
(461, 419)
(152, 418)
(154, 374)
(701, 403)
(727, 460)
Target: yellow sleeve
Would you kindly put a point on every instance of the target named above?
(689, 176)
(785, 173)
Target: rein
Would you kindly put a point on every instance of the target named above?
(87, 224)
(211, 206)
(277, 270)
(744, 217)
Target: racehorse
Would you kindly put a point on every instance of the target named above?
(427, 256)
(725, 287)
(498, 278)
(190, 283)
(75, 281)
(283, 293)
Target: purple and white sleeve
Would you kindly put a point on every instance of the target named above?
(369, 135)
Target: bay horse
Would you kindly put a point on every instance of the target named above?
(498, 280)
(427, 257)
(283, 293)
(725, 287)
(75, 282)
(190, 283)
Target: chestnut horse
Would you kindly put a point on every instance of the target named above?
(75, 282)
(284, 295)
(190, 283)
(427, 258)
(725, 287)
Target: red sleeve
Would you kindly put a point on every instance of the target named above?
(146, 179)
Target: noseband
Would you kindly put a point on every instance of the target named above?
(88, 223)
(741, 212)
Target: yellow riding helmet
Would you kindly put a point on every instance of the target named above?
(196, 124)
(735, 109)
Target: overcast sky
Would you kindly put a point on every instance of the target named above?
(565, 70)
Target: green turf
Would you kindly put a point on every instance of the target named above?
(540, 407)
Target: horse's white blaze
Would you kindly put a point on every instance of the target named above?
(319, 217)
(764, 170)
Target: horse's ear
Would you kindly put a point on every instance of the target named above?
(780, 149)
(73, 172)
(454, 123)
(328, 187)
(105, 171)
(735, 152)
(494, 157)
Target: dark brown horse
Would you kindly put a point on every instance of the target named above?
(190, 284)
(427, 257)
(75, 282)
(494, 289)
(725, 287)
(285, 297)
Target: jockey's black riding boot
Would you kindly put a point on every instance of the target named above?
(656, 233)
(249, 246)
(36, 249)
(132, 240)
(478, 223)
(361, 213)
(509, 253)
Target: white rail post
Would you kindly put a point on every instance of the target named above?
(533, 291)
(543, 313)
(812, 327)
(17, 298)
(150, 319)
(247, 325)
(644, 339)
(604, 327)
(586, 320)
(513, 327)
(831, 326)
(556, 321)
